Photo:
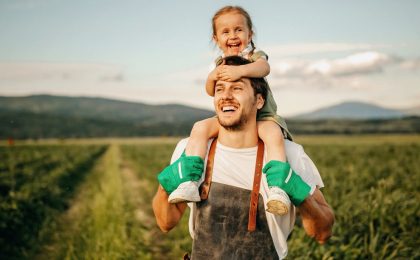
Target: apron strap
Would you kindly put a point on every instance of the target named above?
(253, 205)
(205, 186)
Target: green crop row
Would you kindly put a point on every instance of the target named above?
(36, 183)
(147, 160)
(374, 191)
(372, 188)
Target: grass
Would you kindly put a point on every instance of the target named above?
(147, 160)
(36, 184)
(93, 141)
(367, 139)
(373, 190)
(112, 216)
(96, 227)
(371, 183)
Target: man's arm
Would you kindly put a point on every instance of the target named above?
(258, 69)
(167, 214)
(317, 217)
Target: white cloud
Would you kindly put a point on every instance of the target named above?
(331, 72)
(44, 71)
(359, 63)
(298, 84)
(352, 72)
(284, 50)
(413, 64)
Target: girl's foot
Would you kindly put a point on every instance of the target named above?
(186, 192)
(278, 201)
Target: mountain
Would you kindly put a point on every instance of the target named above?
(352, 110)
(45, 116)
(102, 109)
(414, 111)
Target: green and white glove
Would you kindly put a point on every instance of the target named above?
(280, 174)
(186, 168)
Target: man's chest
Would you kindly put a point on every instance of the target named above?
(235, 169)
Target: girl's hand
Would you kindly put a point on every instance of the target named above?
(229, 73)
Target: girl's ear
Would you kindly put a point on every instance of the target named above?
(215, 39)
(251, 33)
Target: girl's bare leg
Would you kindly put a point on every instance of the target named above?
(201, 132)
(270, 132)
(272, 136)
(197, 146)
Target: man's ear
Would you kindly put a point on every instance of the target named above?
(260, 101)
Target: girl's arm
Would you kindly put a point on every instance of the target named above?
(258, 69)
(211, 81)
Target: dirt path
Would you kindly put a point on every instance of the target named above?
(111, 216)
(96, 224)
(133, 187)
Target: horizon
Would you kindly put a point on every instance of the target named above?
(321, 54)
(163, 104)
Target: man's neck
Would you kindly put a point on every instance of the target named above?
(243, 138)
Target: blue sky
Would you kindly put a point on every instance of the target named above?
(321, 52)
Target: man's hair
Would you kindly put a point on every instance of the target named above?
(259, 85)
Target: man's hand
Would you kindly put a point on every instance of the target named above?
(281, 175)
(186, 168)
(229, 73)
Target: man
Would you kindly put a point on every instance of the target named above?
(218, 224)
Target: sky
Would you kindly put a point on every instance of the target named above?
(321, 52)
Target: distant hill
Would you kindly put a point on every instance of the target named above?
(45, 116)
(103, 109)
(414, 111)
(27, 125)
(353, 110)
(404, 125)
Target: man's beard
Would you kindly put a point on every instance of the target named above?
(236, 125)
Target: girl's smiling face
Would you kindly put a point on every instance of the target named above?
(232, 33)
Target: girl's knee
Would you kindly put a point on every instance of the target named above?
(200, 126)
(269, 129)
(204, 128)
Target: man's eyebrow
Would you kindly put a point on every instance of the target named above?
(241, 80)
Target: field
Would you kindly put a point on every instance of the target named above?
(91, 199)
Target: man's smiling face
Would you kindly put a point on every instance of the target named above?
(235, 103)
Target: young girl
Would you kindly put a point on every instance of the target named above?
(232, 32)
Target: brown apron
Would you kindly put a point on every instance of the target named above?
(226, 227)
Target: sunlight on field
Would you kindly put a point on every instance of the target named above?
(302, 139)
(357, 139)
(92, 198)
(90, 141)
